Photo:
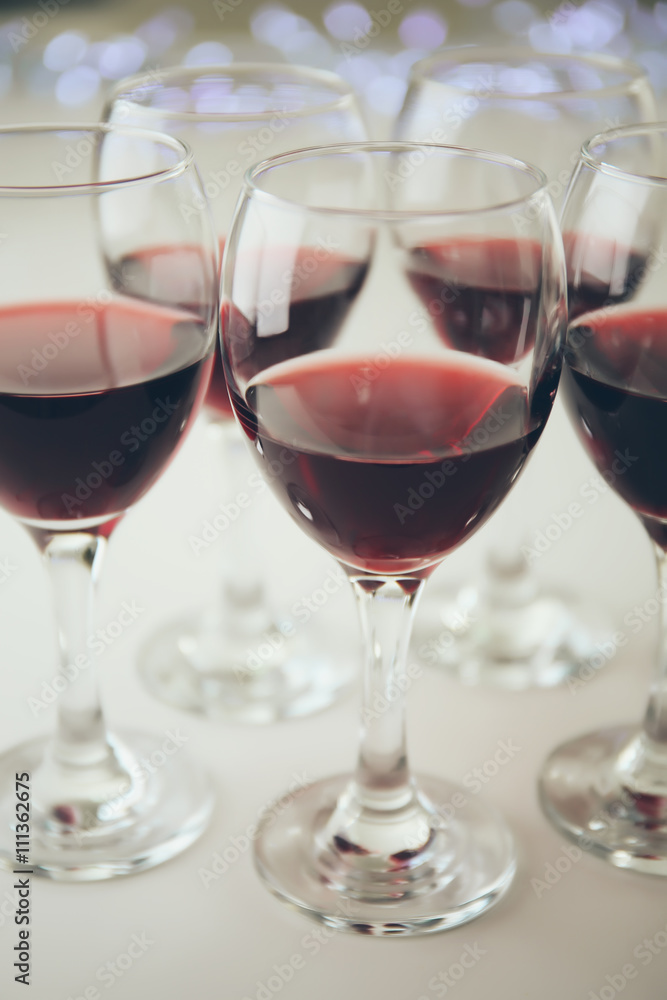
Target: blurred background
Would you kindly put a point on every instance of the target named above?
(58, 57)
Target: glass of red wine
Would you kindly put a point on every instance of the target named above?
(97, 392)
(231, 117)
(514, 626)
(389, 447)
(608, 789)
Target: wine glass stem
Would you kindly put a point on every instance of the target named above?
(386, 608)
(655, 719)
(642, 764)
(73, 560)
(244, 599)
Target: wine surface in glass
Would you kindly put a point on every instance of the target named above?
(319, 286)
(389, 472)
(482, 294)
(69, 453)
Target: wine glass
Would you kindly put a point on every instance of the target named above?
(508, 628)
(97, 392)
(233, 116)
(608, 789)
(389, 447)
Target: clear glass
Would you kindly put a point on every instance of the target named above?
(607, 790)
(511, 627)
(232, 116)
(389, 445)
(97, 392)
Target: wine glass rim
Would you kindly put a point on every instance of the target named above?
(596, 162)
(176, 169)
(341, 92)
(391, 215)
(636, 76)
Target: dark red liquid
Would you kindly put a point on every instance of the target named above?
(302, 299)
(615, 385)
(483, 295)
(600, 272)
(389, 474)
(93, 403)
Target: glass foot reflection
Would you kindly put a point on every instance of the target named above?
(457, 859)
(584, 796)
(511, 633)
(101, 827)
(198, 667)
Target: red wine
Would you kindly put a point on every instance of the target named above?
(94, 400)
(600, 272)
(392, 473)
(615, 386)
(483, 295)
(306, 297)
(173, 276)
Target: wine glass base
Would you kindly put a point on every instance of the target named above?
(479, 869)
(581, 794)
(537, 646)
(173, 812)
(208, 672)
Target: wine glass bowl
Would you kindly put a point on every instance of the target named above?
(389, 443)
(97, 392)
(607, 790)
(232, 116)
(512, 628)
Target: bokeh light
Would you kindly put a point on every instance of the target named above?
(347, 21)
(208, 52)
(65, 50)
(121, 57)
(77, 85)
(423, 29)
